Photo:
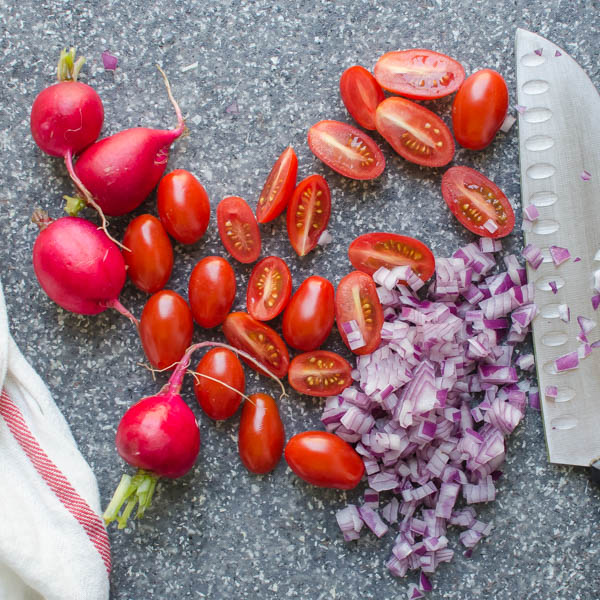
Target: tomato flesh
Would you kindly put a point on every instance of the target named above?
(415, 133)
(346, 150)
(325, 460)
(361, 94)
(479, 109)
(356, 300)
(238, 229)
(308, 213)
(166, 329)
(261, 435)
(309, 316)
(278, 188)
(149, 254)
(259, 340)
(319, 373)
(370, 251)
(183, 206)
(419, 74)
(211, 291)
(216, 400)
(269, 288)
(478, 203)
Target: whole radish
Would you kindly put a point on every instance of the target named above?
(120, 171)
(159, 436)
(78, 266)
(67, 116)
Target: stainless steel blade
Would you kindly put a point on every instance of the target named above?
(559, 139)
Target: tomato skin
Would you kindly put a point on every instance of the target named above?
(166, 328)
(403, 71)
(238, 229)
(311, 195)
(361, 94)
(479, 109)
(216, 400)
(211, 291)
(395, 118)
(346, 149)
(149, 259)
(261, 436)
(183, 206)
(278, 188)
(309, 316)
(464, 187)
(259, 340)
(319, 373)
(356, 299)
(270, 282)
(324, 459)
(370, 251)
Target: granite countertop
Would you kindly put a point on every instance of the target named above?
(251, 77)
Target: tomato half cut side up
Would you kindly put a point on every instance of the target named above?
(269, 288)
(346, 149)
(370, 251)
(259, 340)
(361, 94)
(478, 203)
(419, 74)
(278, 188)
(415, 133)
(238, 229)
(356, 299)
(319, 373)
(308, 213)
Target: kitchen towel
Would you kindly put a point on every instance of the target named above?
(53, 543)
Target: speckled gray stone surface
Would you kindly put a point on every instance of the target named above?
(221, 532)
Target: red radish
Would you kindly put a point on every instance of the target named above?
(120, 171)
(78, 266)
(67, 116)
(159, 436)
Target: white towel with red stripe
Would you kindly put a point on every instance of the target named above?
(53, 543)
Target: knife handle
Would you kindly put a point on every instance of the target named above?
(595, 471)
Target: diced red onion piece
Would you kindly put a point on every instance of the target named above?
(507, 124)
(531, 212)
(414, 593)
(487, 244)
(566, 362)
(538, 51)
(585, 175)
(109, 61)
(373, 521)
(564, 313)
(553, 286)
(525, 362)
(559, 255)
(533, 255)
(595, 301)
(520, 108)
(325, 238)
(491, 226)
(349, 519)
(371, 498)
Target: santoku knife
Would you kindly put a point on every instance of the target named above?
(559, 142)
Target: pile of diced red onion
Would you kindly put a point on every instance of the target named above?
(412, 413)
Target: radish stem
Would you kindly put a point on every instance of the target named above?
(138, 489)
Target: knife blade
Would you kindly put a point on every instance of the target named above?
(559, 146)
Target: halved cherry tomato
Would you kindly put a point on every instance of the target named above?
(216, 400)
(319, 373)
(361, 94)
(324, 459)
(149, 259)
(370, 251)
(238, 229)
(415, 133)
(419, 74)
(278, 188)
(479, 109)
(166, 328)
(346, 149)
(183, 206)
(211, 291)
(478, 203)
(308, 213)
(356, 300)
(259, 340)
(261, 435)
(308, 318)
(269, 288)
